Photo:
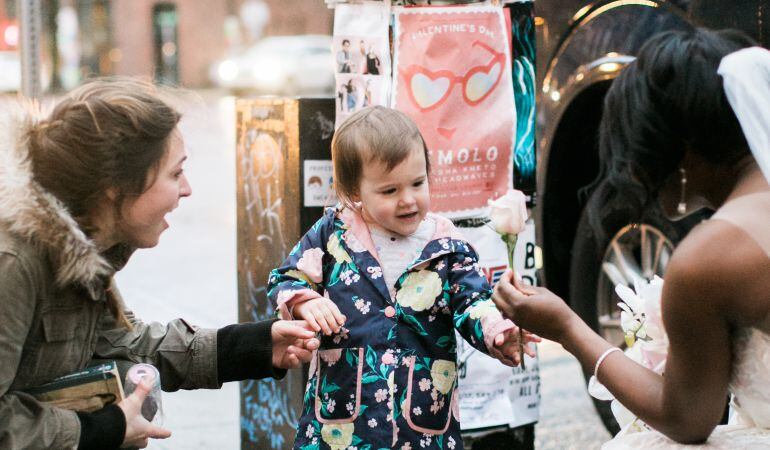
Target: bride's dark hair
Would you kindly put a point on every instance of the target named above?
(668, 100)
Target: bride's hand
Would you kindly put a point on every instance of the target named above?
(538, 310)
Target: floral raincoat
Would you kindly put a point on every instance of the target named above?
(388, 378)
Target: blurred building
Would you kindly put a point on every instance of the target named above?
(172, 41)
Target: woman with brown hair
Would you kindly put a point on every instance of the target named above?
(80, 190)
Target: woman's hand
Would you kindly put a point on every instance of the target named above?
(293, 343)
(138, 429)
(538, 310)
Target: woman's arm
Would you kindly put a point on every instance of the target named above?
(687, 403)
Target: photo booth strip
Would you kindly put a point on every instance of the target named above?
(361, 49)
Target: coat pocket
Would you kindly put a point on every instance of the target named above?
(60, 325)
(62, 347)
(338, 384)
(430, 395)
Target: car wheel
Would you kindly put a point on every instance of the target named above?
(630, 244)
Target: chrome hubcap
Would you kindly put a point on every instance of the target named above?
(637, 252)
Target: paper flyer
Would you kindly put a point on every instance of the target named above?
(361, 52)
(452, 76)
(485, 401)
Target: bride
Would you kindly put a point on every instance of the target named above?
(681, 123)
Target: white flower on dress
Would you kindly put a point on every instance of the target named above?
(437, 406)
(419, 290)
(443, 373)
(349, 277)
(425, 384)
(375, 271)
(417, 411)
(335, 249)
(406, 446)
(349, 406)
(330, 406)
(483, 309)
(381, 395)
(362, 305)
(310, 264)
(440, 265)
(337, 436)
(309, 433)
(466, 265)
(450, 443)
(372, 423)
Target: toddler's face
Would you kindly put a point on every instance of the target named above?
(399, 199)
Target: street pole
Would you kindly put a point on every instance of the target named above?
(30, 28)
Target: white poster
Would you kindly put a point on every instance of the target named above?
(492, 394)
(318, 185)
(361, 51)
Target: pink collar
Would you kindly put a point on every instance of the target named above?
(351, 216)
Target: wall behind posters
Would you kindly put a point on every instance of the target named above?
(283, 182)
(267, 167)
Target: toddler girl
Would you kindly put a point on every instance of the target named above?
(387, 282)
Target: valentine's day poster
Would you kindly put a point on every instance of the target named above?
(452, 76)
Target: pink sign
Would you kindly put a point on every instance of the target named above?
(453, 78)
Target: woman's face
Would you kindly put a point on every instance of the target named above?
(143, 217)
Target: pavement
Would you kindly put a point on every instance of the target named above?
(192, 274)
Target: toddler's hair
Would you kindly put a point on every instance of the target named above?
(372, 134)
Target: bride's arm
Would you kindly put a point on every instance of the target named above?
(688, 402)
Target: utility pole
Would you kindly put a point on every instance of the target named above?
(30, 33)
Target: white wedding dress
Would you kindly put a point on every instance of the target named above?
(749, 423)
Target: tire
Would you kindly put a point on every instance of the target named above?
(621, 227)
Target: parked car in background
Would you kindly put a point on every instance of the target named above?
(581, 47)
(280, 65)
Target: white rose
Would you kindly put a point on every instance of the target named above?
(509, 212)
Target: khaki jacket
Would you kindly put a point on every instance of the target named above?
(53, 314)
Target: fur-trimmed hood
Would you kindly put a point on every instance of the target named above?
(29, 211)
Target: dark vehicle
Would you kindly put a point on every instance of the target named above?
(581, 48)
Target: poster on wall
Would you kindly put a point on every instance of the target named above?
(492, 394)
(452, 76)
(361, 51)
(523, 38)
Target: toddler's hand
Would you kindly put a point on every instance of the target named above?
(506, 346)
(322, 315)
